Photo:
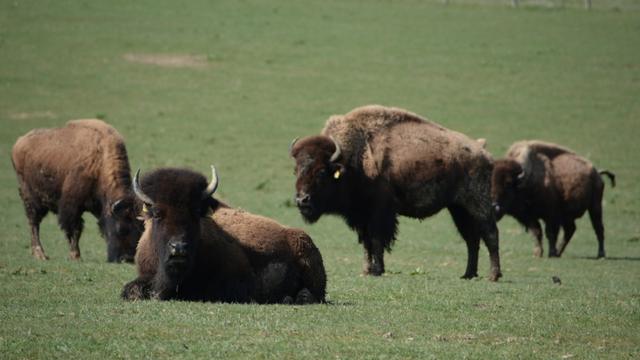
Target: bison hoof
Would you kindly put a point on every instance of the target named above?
(554, 255)
(538, 252)
(305, 297)
(601, 255)
(373, 269)
(74, 255)
(135, 290)
(131, 292)
(469, 276)
(495, 276)
(288, 300)
(373, 272)
(38, 253)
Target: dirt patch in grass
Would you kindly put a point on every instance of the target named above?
(168, 60)
(32, 115)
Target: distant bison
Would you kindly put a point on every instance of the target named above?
(376, 162)
(539, 180)
(196, 248)
(80, 167)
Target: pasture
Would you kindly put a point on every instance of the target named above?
(231, 83)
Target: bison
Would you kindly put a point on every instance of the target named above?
(195, 247)
(80, 167)
(543, 181)
(376, 162)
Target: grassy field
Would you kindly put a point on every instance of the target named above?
(232, 82)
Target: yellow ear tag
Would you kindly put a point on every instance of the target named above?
(144, 208)
(336, 175)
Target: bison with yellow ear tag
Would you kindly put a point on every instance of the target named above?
(375, 163)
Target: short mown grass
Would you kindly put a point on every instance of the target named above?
(242, 79)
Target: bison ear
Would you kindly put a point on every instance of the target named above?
(338, 171)
(209, 204)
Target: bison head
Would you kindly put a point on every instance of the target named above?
(320, 175)
(506, 179)
(122, 229)
(174, 202)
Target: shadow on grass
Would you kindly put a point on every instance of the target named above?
(613, 258)
(339, 303)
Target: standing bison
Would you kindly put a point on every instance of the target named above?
(376, 162)
(539, 180)
(196, 248)
(80, 167)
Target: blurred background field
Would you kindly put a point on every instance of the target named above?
(231, 83)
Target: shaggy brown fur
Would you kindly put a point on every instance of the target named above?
(544, 181)
(80, 167)
(395, 162)
(237, 256)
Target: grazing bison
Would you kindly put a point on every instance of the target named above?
(539, 180)
(196, 248)
(376, 162)
(80, 167)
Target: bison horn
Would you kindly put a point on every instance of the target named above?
(293, 143)
(138, 191)
(118, 206)
(336, 154)
(213, 185)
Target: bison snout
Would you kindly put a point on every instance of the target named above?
(178, 248)
(303, 200)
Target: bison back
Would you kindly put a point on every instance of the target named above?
(50, 162)
(576, 181)
(273, 248)
(426, 166)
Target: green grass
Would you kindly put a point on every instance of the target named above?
(276, 70)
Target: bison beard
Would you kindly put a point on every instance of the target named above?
(376, 163)
(196, 248)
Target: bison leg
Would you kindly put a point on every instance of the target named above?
(377, 235)
(35, 213)
(551, 230)
(70, 220)
(469, 232)
(304, 297)
(36, 246)
(595, 214)
(536, 231)
(373, 257)
(138, 289)
(489, 233)
(569, 228)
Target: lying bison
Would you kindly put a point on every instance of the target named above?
(196, 248)
(376, 162)
(539, 180)
(80, 167)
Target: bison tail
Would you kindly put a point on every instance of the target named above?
(610, 175)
